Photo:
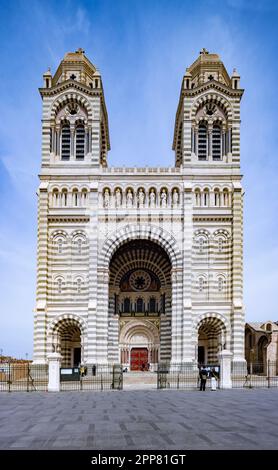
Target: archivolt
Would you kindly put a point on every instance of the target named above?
(140, 232)
(67, 98)
(218, 99)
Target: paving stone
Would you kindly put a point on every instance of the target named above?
(145, 419)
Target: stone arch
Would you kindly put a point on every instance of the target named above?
(139, 334)
(212, 332)
(148, 328)
(67, 334)
(67, 318)
(215, 98)
(214, 317)
(133, 232)
(66, 98)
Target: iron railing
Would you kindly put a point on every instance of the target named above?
(95, 377)
(23, 377)
(255, 374)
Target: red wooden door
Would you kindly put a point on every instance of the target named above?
(139, 359)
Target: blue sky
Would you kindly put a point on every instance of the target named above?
(142, 48)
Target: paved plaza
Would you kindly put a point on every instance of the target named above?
(146, 419)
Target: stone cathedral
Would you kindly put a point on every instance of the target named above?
(139, 265)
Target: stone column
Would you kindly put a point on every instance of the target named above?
(237, 317)
(187, 344)
(42, 274)
(90, 356)
(54, 360)
(225, 359)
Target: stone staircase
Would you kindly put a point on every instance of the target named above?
(139, 380)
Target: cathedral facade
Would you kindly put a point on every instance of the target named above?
(139, 265)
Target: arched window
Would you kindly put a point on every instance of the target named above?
(220, 284)
(226, 197)
(84, 194)
(139, 305)
(79, 246)
(206, 197)
(127, 305)
(64, 197)
(80, 142)
(201, 284)
(216, 197)
(201, 245)
(55, 200)
(216, 142)
(197, 197)
(78, 285)
(268, 327)
(65, 142)
(152, 305)
(75, 197)
(59, 285)
(220, 244)
(60, 246)
(202, 142)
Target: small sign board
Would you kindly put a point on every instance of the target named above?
(69, 373)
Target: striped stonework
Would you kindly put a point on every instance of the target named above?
(139, 258)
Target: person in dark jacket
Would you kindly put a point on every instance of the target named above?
(203, 379)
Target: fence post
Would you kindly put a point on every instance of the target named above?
(9, 376)
(268, 373)
(54, 360)
(225, 359)
(28, 372)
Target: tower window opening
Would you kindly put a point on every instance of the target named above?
(65, 144)
(235, 82)
(202, 142)
(216, 143)
(80, 143)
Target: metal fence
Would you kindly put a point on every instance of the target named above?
(181, 376)
(23, 377)
(96, 377)
(255, 374)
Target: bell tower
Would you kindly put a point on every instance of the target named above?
(207, 126)
(207, 150)
(75, 121)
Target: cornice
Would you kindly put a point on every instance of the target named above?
(60, 87)
(213, 84)
(214, 218)
(70, 219)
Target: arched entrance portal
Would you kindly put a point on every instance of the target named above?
(67, 341)
(211, 340)
(140, 301)
(139, 343)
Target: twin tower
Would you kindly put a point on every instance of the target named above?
(140, 265)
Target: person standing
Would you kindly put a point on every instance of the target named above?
(203, 379)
